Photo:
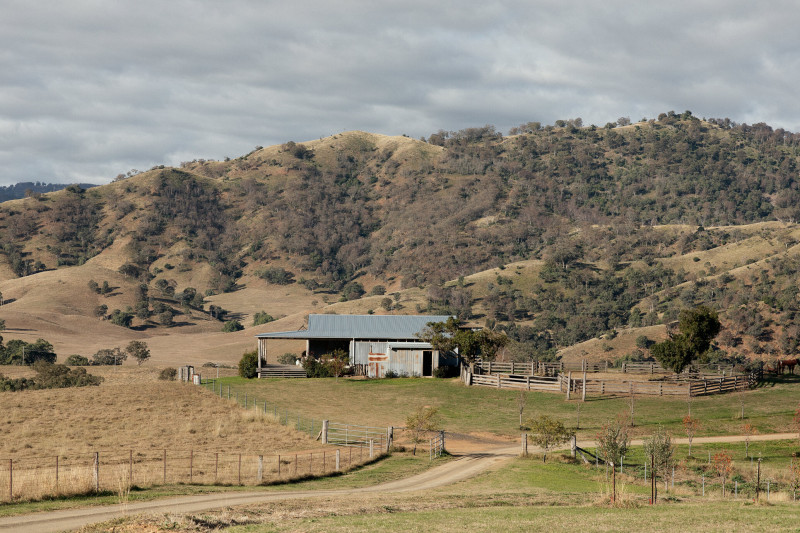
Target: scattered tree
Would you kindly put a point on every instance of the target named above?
(109, 356)
(139, 351)
(697, 329)
(547, 432)
(231, 326)
(420, 422)
(262, 317)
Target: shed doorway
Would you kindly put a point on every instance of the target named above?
(427, 363)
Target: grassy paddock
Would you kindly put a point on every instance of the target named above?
(769, 408)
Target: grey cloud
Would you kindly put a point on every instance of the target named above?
(91, 89)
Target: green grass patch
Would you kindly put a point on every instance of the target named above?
(382, 402)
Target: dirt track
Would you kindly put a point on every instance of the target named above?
(462, 468)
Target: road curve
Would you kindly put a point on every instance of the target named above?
(54, 521)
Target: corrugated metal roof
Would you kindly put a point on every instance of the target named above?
(389, 327)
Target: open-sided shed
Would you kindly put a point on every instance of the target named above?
(375, 343)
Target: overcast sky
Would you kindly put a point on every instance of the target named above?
(90, 89)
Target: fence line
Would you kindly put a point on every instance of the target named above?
(38, 477)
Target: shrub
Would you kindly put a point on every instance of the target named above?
(231, 326)
(642, 341)
(444, 372)
(248, 365)
(287, 359)
(168, 374)
(77, 360)
(315, 369)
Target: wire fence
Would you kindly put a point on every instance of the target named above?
(32, 478)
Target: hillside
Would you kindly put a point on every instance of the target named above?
(559, 234)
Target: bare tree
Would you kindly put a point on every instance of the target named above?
(522, 399)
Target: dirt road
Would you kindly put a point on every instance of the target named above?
(462, 468)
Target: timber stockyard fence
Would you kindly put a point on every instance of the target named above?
(31, 478)
(552, 369)
(580, 383)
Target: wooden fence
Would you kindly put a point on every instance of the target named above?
(584, 385)
(552, 369)
(32, 478)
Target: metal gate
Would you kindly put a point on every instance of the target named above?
(437, 445)
(350, 435)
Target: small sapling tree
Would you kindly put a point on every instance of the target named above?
(547, 432)
(614, 439)
(723, 464)
(691, 425)
(420, 422)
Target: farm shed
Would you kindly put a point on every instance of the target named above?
(376, 344)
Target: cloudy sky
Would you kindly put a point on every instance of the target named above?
(90, 89)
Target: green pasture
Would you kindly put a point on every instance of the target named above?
(769, 408)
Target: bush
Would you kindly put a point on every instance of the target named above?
(262, 318)
(642, 341)
(231, 326)
(444, 372)
(315, 369)
(287, 359)
(168, 374)
(77, 360)
(248, 365)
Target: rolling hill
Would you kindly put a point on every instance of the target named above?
(559, 235)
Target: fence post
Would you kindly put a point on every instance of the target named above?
(279, 466)
(260, 469)
(325, 424)
(165, 465)
(216, 466)
(191, 464)
(338, 464)
(371, 448)
(524, 443)
(573, 446)
(569, 383)
(97, 471)
(56, 473)
(389, 437)
(11, 479)
(583, 393)
(130, 464)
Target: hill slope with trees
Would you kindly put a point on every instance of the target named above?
(607, 227)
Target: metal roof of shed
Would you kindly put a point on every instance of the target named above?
(375, 327)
